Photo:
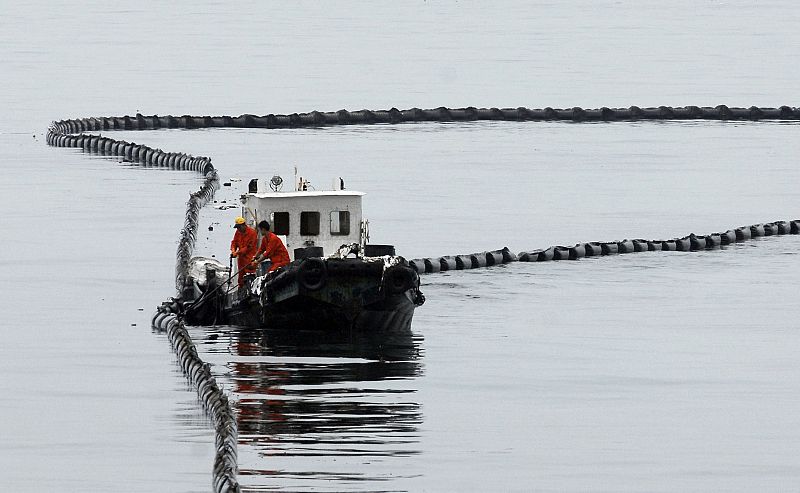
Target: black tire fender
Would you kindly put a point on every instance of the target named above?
(312, 274)
(399, 279)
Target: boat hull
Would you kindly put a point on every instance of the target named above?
(329, 295)
(393, 314)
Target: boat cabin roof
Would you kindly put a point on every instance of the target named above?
(308, 193)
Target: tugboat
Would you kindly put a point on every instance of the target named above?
(336, 279)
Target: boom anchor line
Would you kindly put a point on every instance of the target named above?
(71, 133)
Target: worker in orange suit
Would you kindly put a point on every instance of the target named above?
(243, 248)
(271, 248)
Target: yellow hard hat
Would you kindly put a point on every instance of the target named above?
(239, 220)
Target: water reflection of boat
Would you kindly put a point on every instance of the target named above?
(312, 401)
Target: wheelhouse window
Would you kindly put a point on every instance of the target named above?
(340, 223)
(309, 223)
(280, 223)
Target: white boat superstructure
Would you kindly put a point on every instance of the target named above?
(325, 219)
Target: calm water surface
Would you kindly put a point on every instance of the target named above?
(650, 372)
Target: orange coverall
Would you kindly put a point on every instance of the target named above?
(273, 249)
(243, 247)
